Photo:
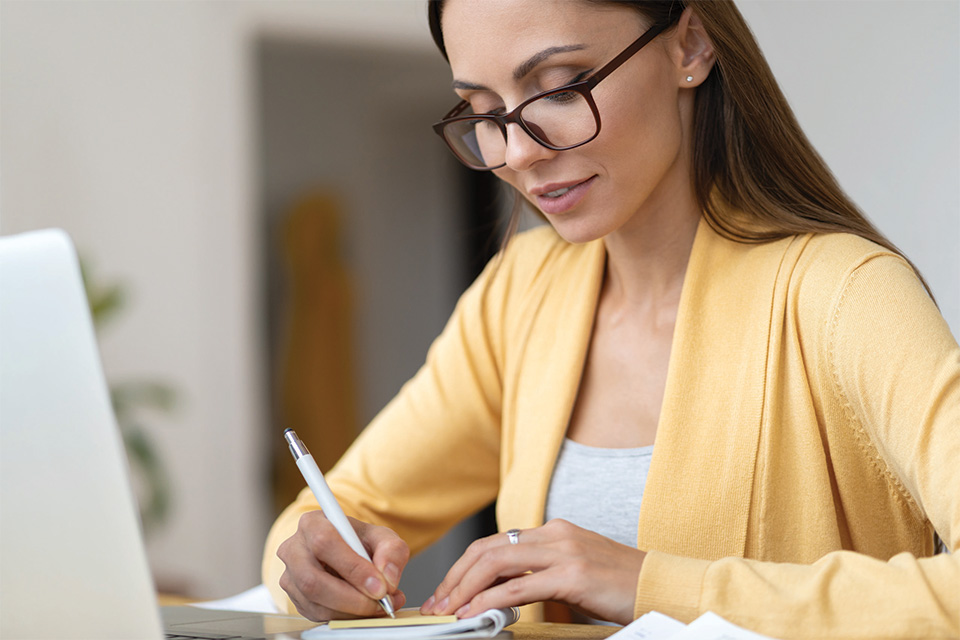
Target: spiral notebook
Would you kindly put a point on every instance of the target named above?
(409, 624)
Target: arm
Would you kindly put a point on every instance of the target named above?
(431, 457)
(893, 371)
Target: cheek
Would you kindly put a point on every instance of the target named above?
(645, 131)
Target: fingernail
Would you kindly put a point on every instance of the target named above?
(374, 588)
(462, 611)
(426, 605)
(392, 574)
(443, 604)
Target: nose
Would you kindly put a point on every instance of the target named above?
(523, 151)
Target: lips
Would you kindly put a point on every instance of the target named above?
(556, 198)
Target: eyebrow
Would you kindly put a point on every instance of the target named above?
(524, 67)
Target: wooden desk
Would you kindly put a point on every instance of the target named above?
(521, 630)
(551, 631)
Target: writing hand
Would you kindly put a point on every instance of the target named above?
(326, 579)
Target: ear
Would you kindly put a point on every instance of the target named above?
(693, 50)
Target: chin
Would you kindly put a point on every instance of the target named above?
(577, 231)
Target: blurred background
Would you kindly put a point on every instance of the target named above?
(274, 235)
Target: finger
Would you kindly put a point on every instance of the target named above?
(306, 608)
(515, 592)
(389, 552)
(438, 601)
(494, 566)
(327, 546)
(317, 594)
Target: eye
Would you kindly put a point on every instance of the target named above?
(568, 96)
(563, 96)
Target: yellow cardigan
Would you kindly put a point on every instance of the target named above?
(807, 450)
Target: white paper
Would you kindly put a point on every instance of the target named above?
(650, 626)
(710, 626)
(256, 599)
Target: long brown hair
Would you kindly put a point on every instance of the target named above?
(755, 174)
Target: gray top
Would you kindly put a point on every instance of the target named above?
(599, 489)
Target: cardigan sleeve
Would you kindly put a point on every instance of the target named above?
(894, 370)
(430, 458)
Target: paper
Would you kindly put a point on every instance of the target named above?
(256, 599)
(709, 626)
(650, 626)
(405, 618)
(486, 625)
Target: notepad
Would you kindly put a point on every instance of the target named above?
(405, 618)
(410, 624)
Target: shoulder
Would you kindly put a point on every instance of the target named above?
(827, 264)
(844, 284)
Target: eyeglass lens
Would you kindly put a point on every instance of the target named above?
(561, 119)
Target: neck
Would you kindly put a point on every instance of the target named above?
(646, 263)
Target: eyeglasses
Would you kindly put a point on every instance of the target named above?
(559, 119)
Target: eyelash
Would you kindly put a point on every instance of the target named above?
(580, 77)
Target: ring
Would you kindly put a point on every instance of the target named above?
(513, 536)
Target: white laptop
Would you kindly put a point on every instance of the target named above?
(72, 561)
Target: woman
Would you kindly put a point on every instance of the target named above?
(704, 290)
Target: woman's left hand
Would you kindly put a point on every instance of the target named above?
(558, 561)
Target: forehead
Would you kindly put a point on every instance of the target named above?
(483, 36)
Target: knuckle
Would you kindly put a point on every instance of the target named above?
(559, 525)
(399, 549)
(476, 547)
(283, 551)
(514, 587)
(308, 520)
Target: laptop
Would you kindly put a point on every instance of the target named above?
(72, 559)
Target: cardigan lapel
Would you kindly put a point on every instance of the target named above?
(548, 379)
(699, 488)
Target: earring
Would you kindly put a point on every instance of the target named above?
(689, 78)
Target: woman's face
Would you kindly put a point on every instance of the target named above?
(504, 51)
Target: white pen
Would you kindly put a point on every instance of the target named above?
(331, 508)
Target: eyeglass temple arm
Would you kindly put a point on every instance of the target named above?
(638, 44)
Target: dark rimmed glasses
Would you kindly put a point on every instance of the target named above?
(559, 119)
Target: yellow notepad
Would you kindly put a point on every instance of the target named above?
(405, 618)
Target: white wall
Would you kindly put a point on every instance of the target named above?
(130, 125)
(876, 86)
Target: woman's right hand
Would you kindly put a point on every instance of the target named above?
(326, 579)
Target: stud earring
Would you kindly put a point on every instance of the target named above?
(689, 78)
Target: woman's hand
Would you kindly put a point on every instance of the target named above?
(326, 579)
(558, 561)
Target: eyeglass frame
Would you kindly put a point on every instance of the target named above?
(583, 87)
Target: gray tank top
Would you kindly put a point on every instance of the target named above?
(599, 489)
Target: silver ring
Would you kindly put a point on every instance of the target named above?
(513, 536)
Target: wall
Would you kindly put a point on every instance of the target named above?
(131, 124)
(876, 86)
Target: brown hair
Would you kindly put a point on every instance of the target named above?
(749, 153)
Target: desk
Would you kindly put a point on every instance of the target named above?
(521, 630)
(551, 631)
